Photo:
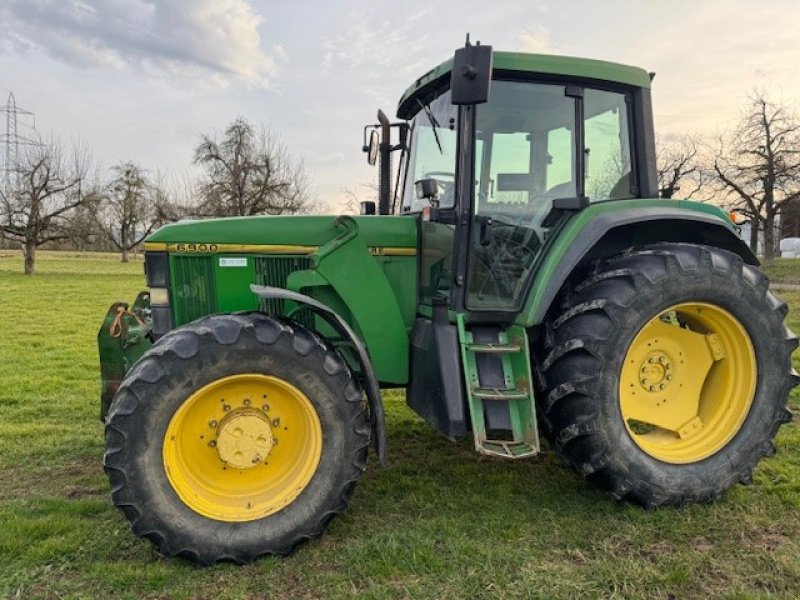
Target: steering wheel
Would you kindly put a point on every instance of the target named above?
(447, 185)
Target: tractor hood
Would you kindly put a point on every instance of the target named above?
(308, 231)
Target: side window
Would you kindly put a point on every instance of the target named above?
(511, 160)
(608, 146)
(560, 161)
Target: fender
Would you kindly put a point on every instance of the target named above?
(605, 229)
(375, 401)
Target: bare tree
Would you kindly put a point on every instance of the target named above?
(175, 198)
(249, 173)
(680, 167)
(758, 165)
(52, 186)
(130, 212)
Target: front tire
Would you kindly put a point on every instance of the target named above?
(666, 373)
(234, 437)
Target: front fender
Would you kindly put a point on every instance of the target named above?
(371, 387)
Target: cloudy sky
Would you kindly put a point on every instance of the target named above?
(142, 79)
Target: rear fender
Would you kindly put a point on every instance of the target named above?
(609, 233)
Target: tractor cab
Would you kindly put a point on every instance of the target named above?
(492, 175)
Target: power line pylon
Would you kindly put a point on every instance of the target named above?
(13, 140)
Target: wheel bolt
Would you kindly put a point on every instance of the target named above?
(226, 407)
(212, 424)
(265, 407)
(212, 443)
(247, 401)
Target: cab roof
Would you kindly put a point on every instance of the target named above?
(582, 68)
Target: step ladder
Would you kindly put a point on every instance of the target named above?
(497, 370)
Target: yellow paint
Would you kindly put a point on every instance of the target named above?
(242, 447)
(211, 248)
(688, 382)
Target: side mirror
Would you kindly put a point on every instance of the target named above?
(426, 189)
(368, 207)
(372, 148)
(471, 75)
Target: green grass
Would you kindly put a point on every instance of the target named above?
(784, 270)
(440, 522)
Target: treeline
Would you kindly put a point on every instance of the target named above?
(58, 197)
(61, 199)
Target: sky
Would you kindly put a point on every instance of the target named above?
(141, 80)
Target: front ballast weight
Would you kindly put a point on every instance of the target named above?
(123, 338)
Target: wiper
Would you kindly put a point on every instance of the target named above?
(434, 123)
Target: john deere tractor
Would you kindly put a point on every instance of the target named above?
(523, 279)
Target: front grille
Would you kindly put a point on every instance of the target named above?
(274, 271)
(193, 289)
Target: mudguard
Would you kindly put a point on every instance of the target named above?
(371, 387)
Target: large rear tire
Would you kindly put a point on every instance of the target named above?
(234, 437)
(666, 373)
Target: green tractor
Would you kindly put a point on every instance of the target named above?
(522, 279)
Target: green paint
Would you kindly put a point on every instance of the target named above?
(305, 230)
(572, 231)
(583, 68)
(346, 263)
(376, 294)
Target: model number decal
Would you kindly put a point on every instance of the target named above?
(194, 248)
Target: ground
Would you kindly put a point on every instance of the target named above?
(440, 522)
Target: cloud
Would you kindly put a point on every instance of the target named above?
(212, 39)
(536, 39)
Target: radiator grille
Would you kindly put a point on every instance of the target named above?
(274, 271)
(193, 288)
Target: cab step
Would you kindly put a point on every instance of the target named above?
(499, 388)
(494, 348)
(499, 394)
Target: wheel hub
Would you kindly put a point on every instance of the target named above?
(655, 372)
(244, 438)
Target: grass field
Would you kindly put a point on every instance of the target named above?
(440, 522)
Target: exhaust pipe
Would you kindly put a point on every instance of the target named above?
(385, 166)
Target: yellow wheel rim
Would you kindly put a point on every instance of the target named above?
(687, 383)
(242, 447)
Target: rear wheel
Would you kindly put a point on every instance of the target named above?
(234, 437)
(666, 373)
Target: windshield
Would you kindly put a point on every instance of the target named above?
(433, 153)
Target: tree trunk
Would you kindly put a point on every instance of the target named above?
(29, 250)
(754, 236)
(769, 238)
(125, 255)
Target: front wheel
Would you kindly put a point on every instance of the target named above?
(235, 436)
(667, 373)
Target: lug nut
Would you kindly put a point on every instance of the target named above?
(247, 401)
(212, 424)
(265, 407)
(212, 443)
(226, 407)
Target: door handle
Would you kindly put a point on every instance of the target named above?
(486, 231)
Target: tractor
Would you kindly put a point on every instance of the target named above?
(518, 276)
